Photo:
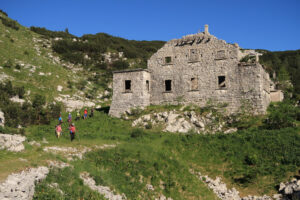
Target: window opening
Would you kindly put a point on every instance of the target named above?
(168, 85)
(194, 84)
(127, 85)
(221, 81)
(147, 85)
(168, 59)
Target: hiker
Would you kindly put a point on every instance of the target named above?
(72, 131)
(70, 118)
(58, 130)
(92, 112)
(85, 113)
(60, 121)
(77, 115)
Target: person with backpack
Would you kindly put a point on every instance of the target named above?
(85, 114)
(70, 118)
(60, 121)
(72, 131)
(58, 130)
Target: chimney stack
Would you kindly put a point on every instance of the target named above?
(206, 29)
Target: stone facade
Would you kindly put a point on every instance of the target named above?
(194, 69)
(131, 88)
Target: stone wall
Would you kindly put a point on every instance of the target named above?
(137, 96)
(196, 69)
(276, 96)
(204, 58)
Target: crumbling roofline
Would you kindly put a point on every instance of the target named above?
(131, 70)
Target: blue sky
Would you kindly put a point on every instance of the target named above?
(264, 24)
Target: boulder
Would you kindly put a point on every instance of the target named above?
(2, 119)
(21, 185)
(12, 142)
(59, 88)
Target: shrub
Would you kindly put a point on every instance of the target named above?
(4, 13)
(120, 65)
(81, 85)
(137, 133)
(10, 23)
(282, 114)
(39, 101)
(20, 91)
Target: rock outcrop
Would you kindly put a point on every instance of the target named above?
(75, 102)
(21, 185)
(290, 190)
(287, 191)
(104, 190)
(70, 152)
(183, 122)
(219, 188)
(2, 119)
(12, 142)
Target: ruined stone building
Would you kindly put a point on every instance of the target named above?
(194, 69)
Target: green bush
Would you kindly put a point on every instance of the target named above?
(120, 65)
(282, 114)
(4, 13)
(10, 23)
(137, 133)
(51, 34)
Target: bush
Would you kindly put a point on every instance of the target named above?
(4, 13)
(39, 101)
(51, 34)
(137, 133)
(10, 23)
(120, 65)
(282, 114)
(81, 85)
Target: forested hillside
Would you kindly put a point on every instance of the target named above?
(286, 64)
(75, 49)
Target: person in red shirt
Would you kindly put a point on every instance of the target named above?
(72, 131)
(85, 114)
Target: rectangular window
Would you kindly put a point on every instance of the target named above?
(193, 55)
(221, 55)
(222, 82)
(147, 85)
(194, 84)
(168, 60)
(168, 85)
(127, 85)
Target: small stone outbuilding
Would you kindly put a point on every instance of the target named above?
(194, 69)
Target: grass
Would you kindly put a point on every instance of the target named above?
(254, 161)
(22, 50)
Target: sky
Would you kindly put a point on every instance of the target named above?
(256, 24)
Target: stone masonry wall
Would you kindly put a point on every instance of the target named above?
(195, 69)
(137, 96)
(203, 57)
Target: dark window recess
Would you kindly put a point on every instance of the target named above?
(128, 85)
(147, 85)
(168, 85)
(194, 84)
(221, 81)
(168, 60)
